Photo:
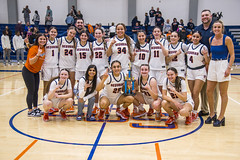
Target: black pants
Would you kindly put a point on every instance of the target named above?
(32, 83)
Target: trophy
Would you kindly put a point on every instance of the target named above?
(129, 83)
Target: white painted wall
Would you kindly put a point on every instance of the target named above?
(107, 11)
(104, 11)
(230, 9)
(170, 9)
(3, 11)
(59, 9)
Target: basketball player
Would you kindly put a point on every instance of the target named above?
(112, 84)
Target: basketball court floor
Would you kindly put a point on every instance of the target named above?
(30, 138)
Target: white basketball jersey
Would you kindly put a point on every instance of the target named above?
(142, 55)
(51, 57)
(83, 54)
(67, 57)
(120, 51)
(100, 58)
(145, 91)
(63, 89)
(113, 85)
(195, 57)
(179, 60)
(157, 59)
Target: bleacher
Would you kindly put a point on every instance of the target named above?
(232, 31)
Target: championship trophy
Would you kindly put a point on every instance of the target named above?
(129, 83)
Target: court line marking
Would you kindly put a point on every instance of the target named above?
(96, 141)
(25, 150)
(158, 151)
(233, 100)
(107, 145)
(11, 91)
(9, 76)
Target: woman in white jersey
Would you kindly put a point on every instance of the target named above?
(141, 54)
(83, 54)
(178, 100)
(67, 56)
(50, 65)
(149, 93)
(87, 91)
(112, 84)
(197, 58)
(159, 50)
(99, 48)
(59, 93)
(120, 47)
(176, 54)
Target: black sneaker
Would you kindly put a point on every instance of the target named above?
(201, 113)
(31, 114)
(38, 110)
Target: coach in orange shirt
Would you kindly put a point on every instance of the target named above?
(30, 73)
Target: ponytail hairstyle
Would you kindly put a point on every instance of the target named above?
(74, 41)
(178, 79)
(58, 77)
(137, 45)
(104, 42)
(94, 82)
(126, 37)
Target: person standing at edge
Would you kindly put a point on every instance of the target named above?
(206, 30)
(30, 73)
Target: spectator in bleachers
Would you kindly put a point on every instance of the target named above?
(135, 29)
(90, 28)
(112, 30)
(70, 20)
(190, 26)
(6, 47)
(49, 11)
(48, 21)
(34, 34)
(146, 23)
(74, 12)
(157, 12)
(46, 32)
(189, 37)
(160, 21)
(79, 15)
(181, 25)
(36, 19)
(18, 45)
(27, 28)
(152, 17)
(9, 32)
(19, 27)
(175, 24)
(183, 35)
(167, 35)
(134, 21)
(26, 14)
(166, 26)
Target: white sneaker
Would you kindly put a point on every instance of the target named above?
(18, 63)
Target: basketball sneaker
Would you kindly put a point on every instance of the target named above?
(175, 114)
(158, 116)
(101, 114)
(135, 112)
(170, 120)
(117, 110)
(52, 110)
(45, 117)
(194, 116)
(95, 110)
(122, 114)
(150, 112)
(107, 113)
(188, 120)
(63, 115)
(70, 110)
(142, 113)
(79, 118)
(126, 112)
